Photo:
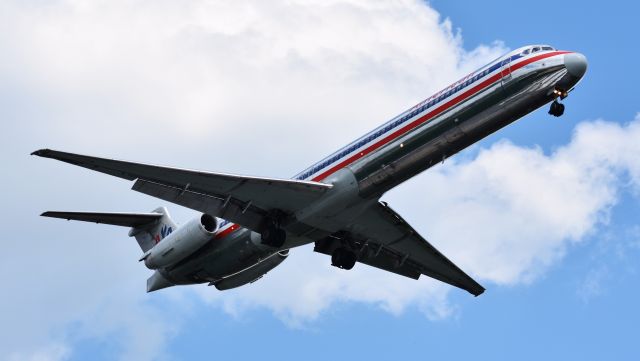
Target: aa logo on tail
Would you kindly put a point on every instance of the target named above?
(165, 231)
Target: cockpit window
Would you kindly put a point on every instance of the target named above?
(527, 51)
(547, 48)
(537, 48)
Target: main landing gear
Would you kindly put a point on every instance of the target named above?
(343, 258)
(274, 236)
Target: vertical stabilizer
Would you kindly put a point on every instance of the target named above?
(150, 234)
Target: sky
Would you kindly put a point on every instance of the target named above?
(542, 213)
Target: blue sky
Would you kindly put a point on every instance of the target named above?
(177, 83)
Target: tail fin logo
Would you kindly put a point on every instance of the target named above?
(164, 231)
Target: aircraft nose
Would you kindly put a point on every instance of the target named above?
(576, 64)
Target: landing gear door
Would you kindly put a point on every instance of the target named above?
(505, 72)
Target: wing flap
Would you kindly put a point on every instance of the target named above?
(382, 260)
(381, 225)
(229, 208)
(116, 219)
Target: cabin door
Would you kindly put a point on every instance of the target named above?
(505, 72)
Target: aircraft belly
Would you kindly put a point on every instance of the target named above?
(221, 257)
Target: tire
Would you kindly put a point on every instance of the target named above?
(349, 260)
(280, 236)
(557, 109)
(343, 258)
(560, 109)
(274, 237)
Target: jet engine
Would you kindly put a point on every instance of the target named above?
(182, 242)
(252, 274)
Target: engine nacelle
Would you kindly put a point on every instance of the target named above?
(182, 242)
(252, 274)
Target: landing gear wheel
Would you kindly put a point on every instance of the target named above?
(274, 237)
(343, 258)
(557, 109)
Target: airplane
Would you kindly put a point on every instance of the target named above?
(248, 224)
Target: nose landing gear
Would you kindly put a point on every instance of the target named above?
(557, 109)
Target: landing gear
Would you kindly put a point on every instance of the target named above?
(557, 109)
(274, 236)
(343, 258)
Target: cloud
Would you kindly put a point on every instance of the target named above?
(53, 352)
(203, 84)
(196, 84)
(206, 71)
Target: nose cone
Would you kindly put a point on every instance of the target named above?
(576, 64)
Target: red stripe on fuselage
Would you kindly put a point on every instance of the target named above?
(226, 231)
(431, 115)
(422, 120)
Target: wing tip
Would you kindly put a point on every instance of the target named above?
(477, 292)
(42, 152)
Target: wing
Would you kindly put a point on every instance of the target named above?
(243, 200)
(116, 219)
(386, 241)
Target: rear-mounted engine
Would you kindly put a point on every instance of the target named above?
(182, 242)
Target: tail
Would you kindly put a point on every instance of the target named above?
(150, 234)
(147, 228)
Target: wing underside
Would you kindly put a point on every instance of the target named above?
(244, 200)
(383, 239)
(116, 219)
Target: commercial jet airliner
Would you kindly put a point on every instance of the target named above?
(248, 224)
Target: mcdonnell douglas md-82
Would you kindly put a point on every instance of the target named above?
(248, 224)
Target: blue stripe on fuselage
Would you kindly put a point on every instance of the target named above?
(399, 120)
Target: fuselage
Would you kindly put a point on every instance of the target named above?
(424, 135)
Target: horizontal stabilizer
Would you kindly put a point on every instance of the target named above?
(116, 219)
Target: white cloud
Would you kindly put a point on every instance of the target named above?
(52, 352)
(198, 84)
(142, 74)
(203, 84)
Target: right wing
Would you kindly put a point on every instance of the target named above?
(388, 242)
(244, 200)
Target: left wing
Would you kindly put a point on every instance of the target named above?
(244, 200)
(116, 219)
(382, 239)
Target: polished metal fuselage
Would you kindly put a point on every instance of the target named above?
(454, 130)
(442, 133)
